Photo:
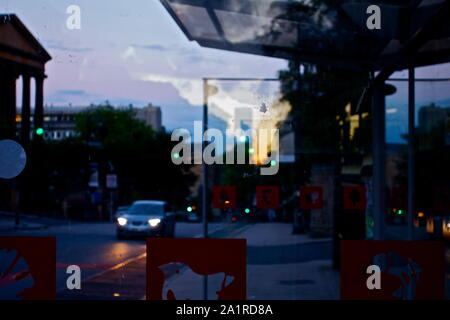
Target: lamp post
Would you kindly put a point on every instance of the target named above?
(411, 151)
(204, 166)
(208, 91)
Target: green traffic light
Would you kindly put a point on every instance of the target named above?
(400, 212)
(39, 131)
(247, 210)
(189, 209)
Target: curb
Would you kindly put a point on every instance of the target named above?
(227, 232)
(23, 228)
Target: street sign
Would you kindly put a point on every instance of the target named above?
(392, 270)
(224, 197)
(311, 197)
(222, 260)
(93, 180)
(354, 198)
(111, 181)
(28, 268)
(267, 197)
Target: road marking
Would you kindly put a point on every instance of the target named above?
(85, 266)
(115, 267)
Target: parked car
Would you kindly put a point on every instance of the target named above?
(193, 217)
(147, 218)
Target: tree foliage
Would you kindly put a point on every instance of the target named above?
(112, 141)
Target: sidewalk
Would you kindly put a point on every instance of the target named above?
(8, 223)
(280, 266)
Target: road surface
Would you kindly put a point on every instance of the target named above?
(96, 250)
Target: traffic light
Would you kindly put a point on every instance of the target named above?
(189, 209)
(39, 131)
(398, 211)
(247, 210)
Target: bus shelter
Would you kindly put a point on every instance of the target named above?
(382, 39)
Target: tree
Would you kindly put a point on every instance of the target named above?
(319, 97)
(115, 142)
(140, 156)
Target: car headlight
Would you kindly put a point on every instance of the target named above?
(154, 222)
(121, 221)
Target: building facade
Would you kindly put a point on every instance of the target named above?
(151, 115)
(60, 122)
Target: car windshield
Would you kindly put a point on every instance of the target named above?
(146, 209)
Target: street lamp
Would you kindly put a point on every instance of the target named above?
(207, 92)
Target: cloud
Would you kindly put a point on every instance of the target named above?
(230, 95)
(71, 49)
(153, 47)
(189, 89)
(130, 54)
(189, 54)
(71, 92)
(74, 97)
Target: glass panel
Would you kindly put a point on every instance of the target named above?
(397, 161)
(240, 27)
(268, 200)
(196, 20)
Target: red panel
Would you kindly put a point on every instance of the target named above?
(224, 197)
(267, 197)
(354, 198)
(311, 197)
(203, 257)
(409, 269)
(28, 267)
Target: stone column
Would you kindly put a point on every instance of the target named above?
(39, 104)
(8, 105)
(25, 123)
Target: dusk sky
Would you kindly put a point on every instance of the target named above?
(130, 54)
(133, 52)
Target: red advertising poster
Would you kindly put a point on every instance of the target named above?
(176, 268)
(311, 197)
(27, 268)
(392, 270)
(354, 198)
(224, 197)
(267, 197)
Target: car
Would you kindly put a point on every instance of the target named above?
(121, 211)
(147, 218)
(193, 217)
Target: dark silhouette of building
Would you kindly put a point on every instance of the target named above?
(20, 55)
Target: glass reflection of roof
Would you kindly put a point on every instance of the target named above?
(329, 31)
